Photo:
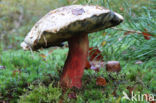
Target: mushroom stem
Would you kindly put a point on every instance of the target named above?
(75, 63)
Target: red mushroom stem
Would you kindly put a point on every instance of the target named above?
(75, 63)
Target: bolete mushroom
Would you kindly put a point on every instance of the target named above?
(72, 24)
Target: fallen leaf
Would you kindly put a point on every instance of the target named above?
(146, 35)
(104, 34)
(113, 66)
(50, 51)
(95, 59)
(103, 43)
(130, 89)
(60, 101)
(43, 56)
(88, 65)
(129, 32)
(121, 9)
(95, 54)
(100, 81)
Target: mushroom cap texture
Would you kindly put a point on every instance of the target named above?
(61, 24)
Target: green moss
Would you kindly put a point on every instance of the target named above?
(41, 94)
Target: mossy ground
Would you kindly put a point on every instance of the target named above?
(35, 78)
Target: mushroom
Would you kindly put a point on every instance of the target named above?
(72, 24)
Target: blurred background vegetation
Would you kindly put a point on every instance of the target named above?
(18, 16)
(125, 43)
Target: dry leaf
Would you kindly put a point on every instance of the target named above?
(95, 54)
(50, 51)
(129, 32)
(130, 89)
(95, 61)
(104, 34)
(100, 81)
(113, 66)
(121, 8)
(146, 35)
(43, 56)
(103, 43)
(88, 65)
(60, 101)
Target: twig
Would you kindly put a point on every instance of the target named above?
(133, 31)
(130, 31)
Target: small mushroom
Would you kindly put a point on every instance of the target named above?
(113, 66)
(72, 24)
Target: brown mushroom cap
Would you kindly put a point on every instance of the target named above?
(63, 23)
